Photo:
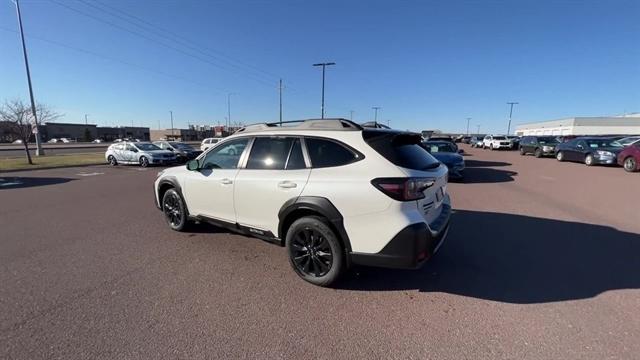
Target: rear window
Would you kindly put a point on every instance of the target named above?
(499, 138)
(327, 153)
(402, 149)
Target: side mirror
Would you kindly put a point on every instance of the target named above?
(134, 150)
(460, 151)
(193, 165)
(580, 147)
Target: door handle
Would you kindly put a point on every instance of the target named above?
(226, 181)
(287, 185)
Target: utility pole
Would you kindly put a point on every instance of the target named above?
(86, 121)
(468, 119)
(324, 65)
(280, 91)
(388, 123)
(375, 117)
(478, 133)
(171, 113)
(351, 115)
(510, 113)
(229, 110)
(39, 150)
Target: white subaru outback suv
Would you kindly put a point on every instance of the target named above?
(330, 191)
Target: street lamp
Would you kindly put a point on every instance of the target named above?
(510, 113)
(468, 119)
(39, 150)
(324, 65)
(375, 117)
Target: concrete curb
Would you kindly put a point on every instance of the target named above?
(52, 167)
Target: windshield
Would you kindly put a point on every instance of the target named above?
(146, 146)
(547, 140)
(439, 147)
(499, 138)
(600, 143)
(181, 146)
(629, 140)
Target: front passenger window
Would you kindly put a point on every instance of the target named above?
(225, 156)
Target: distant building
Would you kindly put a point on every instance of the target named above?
(121, 132)
(593, 125)
(71, 131)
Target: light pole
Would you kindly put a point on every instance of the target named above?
(86, 121)
(280, 90)
(468, 119)
(171, 113)
(375, 117)
(39, 150)
(229, 109)
(351, 115)
(478, 133)
(510, 113)
(324, 65)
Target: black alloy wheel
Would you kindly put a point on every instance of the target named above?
(522, 152)
(112, 160)
(538, 153)
(315, 253)
(174, 210)
(144, 162)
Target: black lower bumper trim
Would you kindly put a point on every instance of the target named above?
(410, 248)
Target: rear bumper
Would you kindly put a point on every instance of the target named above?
(412, 246)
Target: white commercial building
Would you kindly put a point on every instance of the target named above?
(592, 125)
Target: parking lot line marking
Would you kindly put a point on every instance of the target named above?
(90, 174)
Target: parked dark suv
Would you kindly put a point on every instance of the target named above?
(538, 145)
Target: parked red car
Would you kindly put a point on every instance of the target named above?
(629, 158)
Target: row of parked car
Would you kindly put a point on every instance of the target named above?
(591, 150)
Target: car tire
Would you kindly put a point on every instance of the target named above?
(315, 252)
(491, 147)
(560, 156)
(538, 153)
(588, 160)
(144, 162)
(522, 152)
(112, 160)
(174, 210)
(630, 164)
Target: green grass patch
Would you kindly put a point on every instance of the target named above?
(51, 161)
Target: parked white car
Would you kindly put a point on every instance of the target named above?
(140, 153)
(208, 142)
(495, 142)
(331, 191)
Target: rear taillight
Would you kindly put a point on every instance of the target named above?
(403, 189)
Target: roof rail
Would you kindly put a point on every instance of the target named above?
(313, 124)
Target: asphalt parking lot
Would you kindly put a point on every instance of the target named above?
(542, 261)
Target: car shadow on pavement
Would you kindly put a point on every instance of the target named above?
(481, 163)
(10, 182)
(480, 175)
(517, 259)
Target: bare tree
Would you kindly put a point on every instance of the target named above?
(17, 119)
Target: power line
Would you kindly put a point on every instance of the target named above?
(110, 23)
(228, 59)
(106, 57)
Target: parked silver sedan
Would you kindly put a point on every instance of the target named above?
(141, 153)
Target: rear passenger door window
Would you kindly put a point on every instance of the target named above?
(326, 153)
(269, 153)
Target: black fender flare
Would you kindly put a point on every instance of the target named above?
(173, 182)
(316, 204)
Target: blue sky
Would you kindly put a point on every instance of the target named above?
(427, 64)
